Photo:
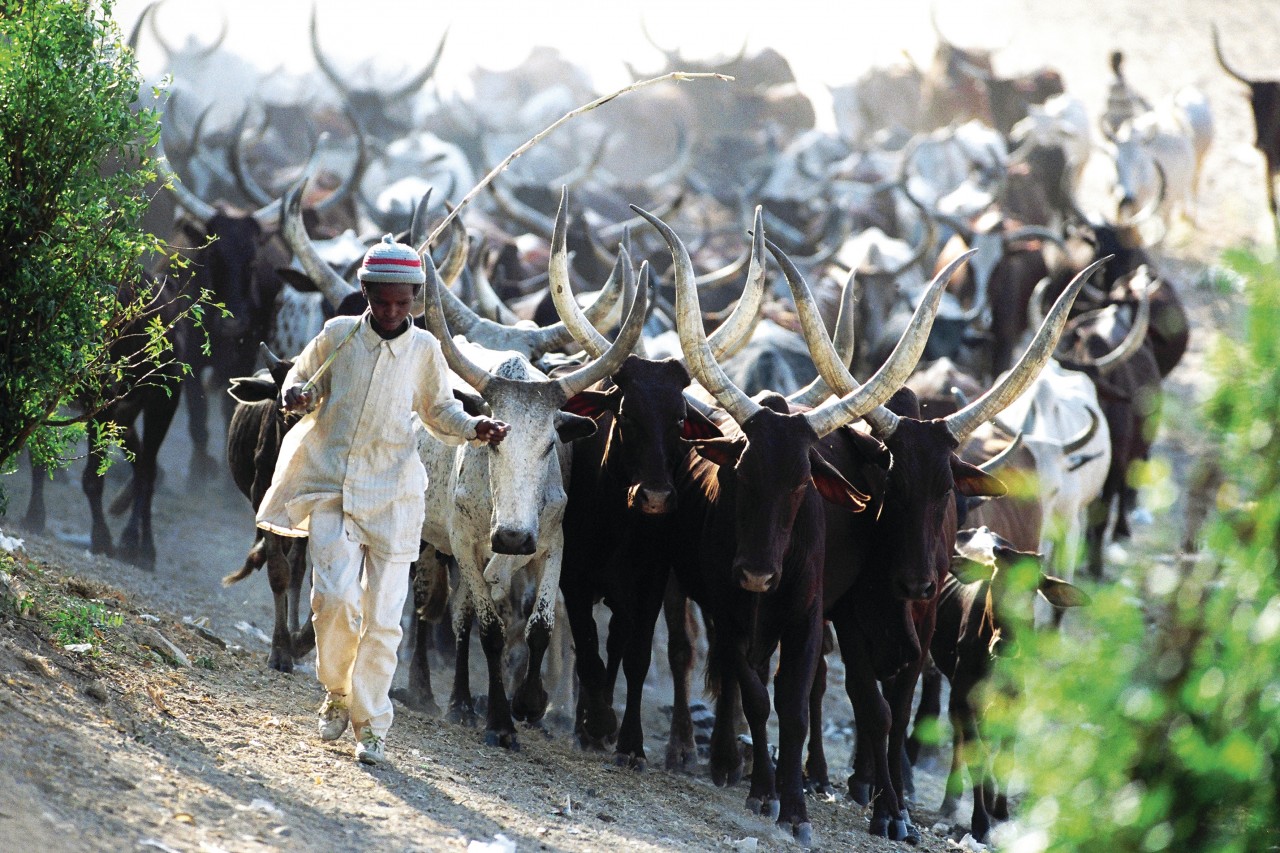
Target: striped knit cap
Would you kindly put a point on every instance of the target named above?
(390, 262)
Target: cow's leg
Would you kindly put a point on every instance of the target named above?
(201, 467)
(430, 584)
(726, 758)
(902, 688)
(762, 799)
(682, 751)
(1095, 533)
(800, 650)
(870, 780)
(279, 574)
(595, 721)
(92, 483)
(34, 520)
(927, 714)
(462, 707)
(304, 635)
(969, 747)
(137, 542)
(500, 729)
(816, 772)
(530, 701)
(639, 650)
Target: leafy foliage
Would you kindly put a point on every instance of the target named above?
(1158, 728)
(79, 321)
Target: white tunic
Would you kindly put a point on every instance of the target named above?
(357, 448)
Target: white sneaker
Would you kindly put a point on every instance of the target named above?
(333, 716)
(370, 748)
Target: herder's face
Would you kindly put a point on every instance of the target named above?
(389, 304)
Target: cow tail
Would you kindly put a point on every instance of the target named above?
(255, 560)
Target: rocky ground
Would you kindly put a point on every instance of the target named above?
(171, 732)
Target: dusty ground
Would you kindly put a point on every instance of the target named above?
(123, 748)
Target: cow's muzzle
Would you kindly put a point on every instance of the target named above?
(917, 590)
(651, 501)
(504, 540)
(753, 581)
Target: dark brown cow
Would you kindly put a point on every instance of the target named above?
(257, 428)
(750, 513)
(985, 601)
(151, 394)
(884, 619)
(1264, 97)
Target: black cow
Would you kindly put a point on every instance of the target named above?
(884, 619)
(750, 513)
(151, 394)
(257, 428)
(1264, 97)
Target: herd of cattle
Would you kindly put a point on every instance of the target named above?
(683, 436)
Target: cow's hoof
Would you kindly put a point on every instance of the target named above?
(681, 757)
(821, 789)
(632, 761)
(506, 740)
(803, 833)
(140, 556)
(724, 777)
(902, 829)
(529, 705)
(587, 743)
(462, 715)
(764, 806)
(859, 792)
(280, 660)
(879, 827)
(415, 701)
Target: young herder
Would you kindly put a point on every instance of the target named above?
(349, 477)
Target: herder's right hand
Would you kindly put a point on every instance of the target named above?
(296, 400)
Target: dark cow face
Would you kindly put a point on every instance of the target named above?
(650, 419)
(771, 471)
(225, 266)
(919, 519)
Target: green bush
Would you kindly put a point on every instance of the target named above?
(74, 176)
(1156, 726)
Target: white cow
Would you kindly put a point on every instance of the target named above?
(1159, 154)
(500, 511)
(1064, 428)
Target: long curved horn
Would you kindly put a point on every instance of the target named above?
(203, 53)
(1031, 232)
(1133, 340)
(474, 375)
(844, 341)
(334, 287)
(735, 331)
(1222, 60)
(413, 84)
(584, 331)
(270, 359)
(135, 33)
(862, 401)
(322, 62)
(1152, 206)
(1077, 443)
(362, 154)
(693, 339)
(983, 409)
(244, 178)
(190, 202)
(926, 243)
(593, 371)
(534, 221)
(995, 463)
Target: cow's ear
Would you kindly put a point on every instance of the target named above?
(969, 571)
(593, 404)
(722, 451)
(572, 427)
(472, 403)
(1059, 593)
(972, 482)
(833, 487)
(698, 426)
(252, 389)
(297, 279)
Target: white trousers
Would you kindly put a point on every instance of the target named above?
(357, 618)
